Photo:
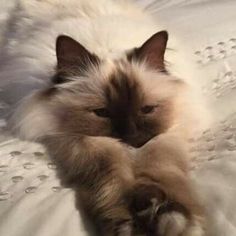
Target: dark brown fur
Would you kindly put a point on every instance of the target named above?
(125, 100)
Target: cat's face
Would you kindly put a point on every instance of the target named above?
(124, 105)
(125, 99)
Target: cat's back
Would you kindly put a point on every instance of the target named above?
(28, 58)
(104, 27)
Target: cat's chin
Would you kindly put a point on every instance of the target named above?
(136, 145)
(137, 142)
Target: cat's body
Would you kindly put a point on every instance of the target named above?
(115, 119)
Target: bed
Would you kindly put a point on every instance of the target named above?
(32, 201)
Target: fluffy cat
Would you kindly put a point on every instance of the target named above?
(112, 115)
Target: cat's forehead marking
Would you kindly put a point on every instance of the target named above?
(123, 91)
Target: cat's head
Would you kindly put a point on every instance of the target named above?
(132, 98)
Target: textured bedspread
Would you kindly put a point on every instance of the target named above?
(32, 202)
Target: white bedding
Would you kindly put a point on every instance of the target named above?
(32, 202)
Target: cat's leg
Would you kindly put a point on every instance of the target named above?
(163, 199)
(102, 167)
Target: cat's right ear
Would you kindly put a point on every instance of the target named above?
(152, 51)
(72, 57)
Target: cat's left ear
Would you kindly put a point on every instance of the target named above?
(72, 59)
(152, 51)
(71, 55)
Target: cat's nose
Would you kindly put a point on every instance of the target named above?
(125, 129)
(131, 128)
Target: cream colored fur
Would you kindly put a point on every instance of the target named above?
(107, 28)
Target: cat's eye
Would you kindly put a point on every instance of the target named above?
(102, 112)
(147, 109)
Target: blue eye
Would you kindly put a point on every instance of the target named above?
(147, 109)
(102, 112)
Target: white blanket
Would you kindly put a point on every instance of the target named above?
(32, 202)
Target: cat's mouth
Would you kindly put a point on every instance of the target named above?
(137, 142)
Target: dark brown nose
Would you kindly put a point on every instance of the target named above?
(125, 127)
(128, 131)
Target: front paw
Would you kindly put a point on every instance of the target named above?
(144, 201)
(156, 215)
(173, 219)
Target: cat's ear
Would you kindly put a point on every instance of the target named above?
(152, 51)
(71, 55)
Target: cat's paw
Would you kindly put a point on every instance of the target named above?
(155, 215)
(144, 201)
(171, 224)
(172, 219)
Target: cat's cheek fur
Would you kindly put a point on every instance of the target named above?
(33, 119)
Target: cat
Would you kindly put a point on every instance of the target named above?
(112, 114)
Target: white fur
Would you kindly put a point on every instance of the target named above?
(32, 119)
(175, 224)
(172, 224)
(105, 27)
